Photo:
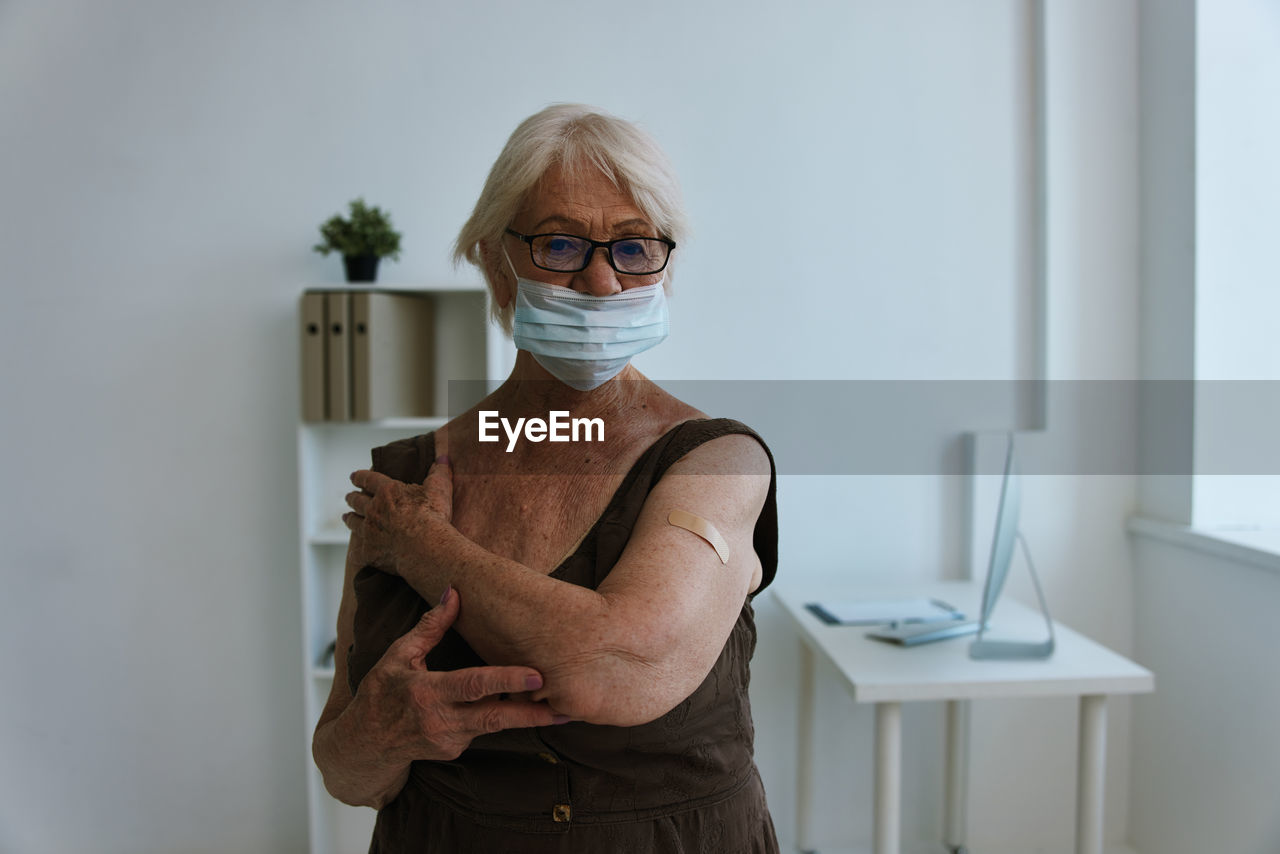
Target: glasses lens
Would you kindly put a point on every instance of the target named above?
(559, 252)
(640, 255)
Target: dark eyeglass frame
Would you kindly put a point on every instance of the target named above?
(607, 245)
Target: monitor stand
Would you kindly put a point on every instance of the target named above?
(982, 648)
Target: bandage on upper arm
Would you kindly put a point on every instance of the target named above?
(703, 528)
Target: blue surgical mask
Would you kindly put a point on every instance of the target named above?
(582, 340)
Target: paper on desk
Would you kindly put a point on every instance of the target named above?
(876, 612)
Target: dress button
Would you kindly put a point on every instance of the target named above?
(561, 812)
(549, 758)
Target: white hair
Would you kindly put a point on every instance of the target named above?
(574, 137)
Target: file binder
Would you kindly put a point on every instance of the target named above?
(367, 355)
(338, 355)
(392, 349)
(311, 313)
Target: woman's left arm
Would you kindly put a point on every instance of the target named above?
(624, 654)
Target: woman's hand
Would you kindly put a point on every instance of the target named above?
(416, 713)
(390, 519)
(404, 712)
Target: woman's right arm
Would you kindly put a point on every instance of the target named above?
(365, 743)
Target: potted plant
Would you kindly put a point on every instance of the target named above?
(363, 239)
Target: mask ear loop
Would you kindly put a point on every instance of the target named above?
(514, 275)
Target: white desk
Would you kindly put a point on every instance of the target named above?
(889, 675)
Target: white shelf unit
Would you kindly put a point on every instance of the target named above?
(467, 347)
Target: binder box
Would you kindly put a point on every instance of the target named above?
(338, 356)
(366, 355)
(315, 377)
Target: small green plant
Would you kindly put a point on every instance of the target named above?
(367, 232)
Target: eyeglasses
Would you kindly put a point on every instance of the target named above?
(565, 253)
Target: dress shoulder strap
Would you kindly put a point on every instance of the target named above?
(406, 459)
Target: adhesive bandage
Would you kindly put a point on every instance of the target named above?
(703, 528)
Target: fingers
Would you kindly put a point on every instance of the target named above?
(439, 487)
(359, 502)
(368, 481)
(414, 645)
(477, 683)
(441, 438)
(494, 715)
(439, 480)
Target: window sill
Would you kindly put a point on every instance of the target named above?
(1259, 547)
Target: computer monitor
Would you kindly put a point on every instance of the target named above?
(1004, 536)
(1003, 539)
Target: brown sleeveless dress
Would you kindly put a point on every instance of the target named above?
(686, 782)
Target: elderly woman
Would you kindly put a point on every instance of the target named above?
(580, 683)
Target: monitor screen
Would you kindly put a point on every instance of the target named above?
(1004, 537)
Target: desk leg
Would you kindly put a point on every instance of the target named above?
(888, 789)
(804, 751)
(1091, 774)
(957, 774)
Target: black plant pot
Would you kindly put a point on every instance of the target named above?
(361, 268)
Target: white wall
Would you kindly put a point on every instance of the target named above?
(1204, 763)
(164, 168)
(1206, 758)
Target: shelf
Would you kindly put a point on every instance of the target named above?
(475, 287)
(421, 425)
(467, 349)
(329, 537)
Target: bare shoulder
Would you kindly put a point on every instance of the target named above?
(667, 407)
